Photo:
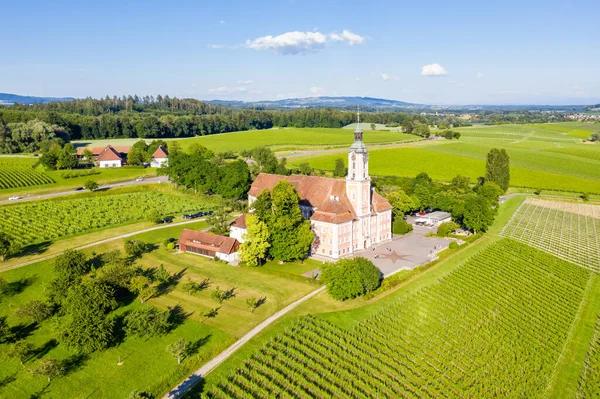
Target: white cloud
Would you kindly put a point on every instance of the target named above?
(433, 70)
(480, 75)
(217, 46)
(221, 22)
(296, 42)
(245, 82)
(346, 35)
(387, 77)
(228, 90)
(317, 90)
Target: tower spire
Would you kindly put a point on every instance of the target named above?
(358, 132)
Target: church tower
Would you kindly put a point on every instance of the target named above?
(358, 182)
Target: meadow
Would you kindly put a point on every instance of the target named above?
(276, 138)
(146, 365)
(496, 326)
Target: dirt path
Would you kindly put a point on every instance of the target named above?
(91, 244)
(193, 379)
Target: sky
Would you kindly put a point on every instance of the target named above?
(429, 52)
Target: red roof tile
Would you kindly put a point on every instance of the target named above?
(109, 154)
(211, 242)
(380, 203)
(160, 153)
(240, 222)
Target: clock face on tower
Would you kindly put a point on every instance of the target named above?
(353, 156)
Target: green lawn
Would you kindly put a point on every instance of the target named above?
(146, 364)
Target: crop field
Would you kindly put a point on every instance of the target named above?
(566, 230)
(495, 327)
(443, 166)
(589, 385)
(18, 172)
(35, 222)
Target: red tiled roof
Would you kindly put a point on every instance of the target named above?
(160, 153)
(210, 242)
(240, 222)
(109, 154)
(380, 203)
(124, 149)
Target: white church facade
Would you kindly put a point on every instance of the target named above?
(347, 216)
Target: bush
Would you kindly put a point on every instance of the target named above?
(401, 226)
(585, 197)
(453, 245)
(446, 228)
(349, 278)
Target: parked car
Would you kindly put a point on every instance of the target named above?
(79, 189)
(14, 198)
(139, 179)
(168, 219)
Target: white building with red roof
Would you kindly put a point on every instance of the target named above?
(159, 157)
(110, 158)
(210, 245)
(347, 216)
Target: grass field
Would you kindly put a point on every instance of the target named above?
(444, 166)
(285, 138)
(589, 386)
(146, 364)
(494, 327)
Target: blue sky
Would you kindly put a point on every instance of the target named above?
(434, 52)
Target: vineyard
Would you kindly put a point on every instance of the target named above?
(18, 172)
(589, 386)
(31, 223)
(495, 327)
(566, 230)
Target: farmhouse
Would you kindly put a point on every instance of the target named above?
(110, 158)
(237, 229)
(210, 245)
(159, 157)
(346, 216)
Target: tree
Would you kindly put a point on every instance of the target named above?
(162, 275)
(595, 137)
(402, 203)
(220, 295)
(253, 303)
(305, 169)
(263, 207)
(141, 286)
(349, 278)
(90, 185)
(8, 246)
(373, 126)
(139, 395)
(255, 247)
(421, 129)
(5, 332)
(138, 153)
(585, 197)
(232, 180)
(340, 168)
(155, 216)
(20, 350)
(478, 213)
(36, 310)
(219, 219)
(71, 264)
(446, 228)
(49, 368)
(497, 168)
(136, 248)
(461, 184)
(179, 349)
(85, 326)
(147, 322)
(291, 235)
(490, 191)
(401, 226)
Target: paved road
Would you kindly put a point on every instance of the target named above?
(158, 179)
(193, 379)
(162, 226)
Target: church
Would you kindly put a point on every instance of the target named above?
(347, 216)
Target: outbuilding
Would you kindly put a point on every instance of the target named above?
(434, 218)
(110, 158)
(209, 245)
(159, 158)
(237, 229)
